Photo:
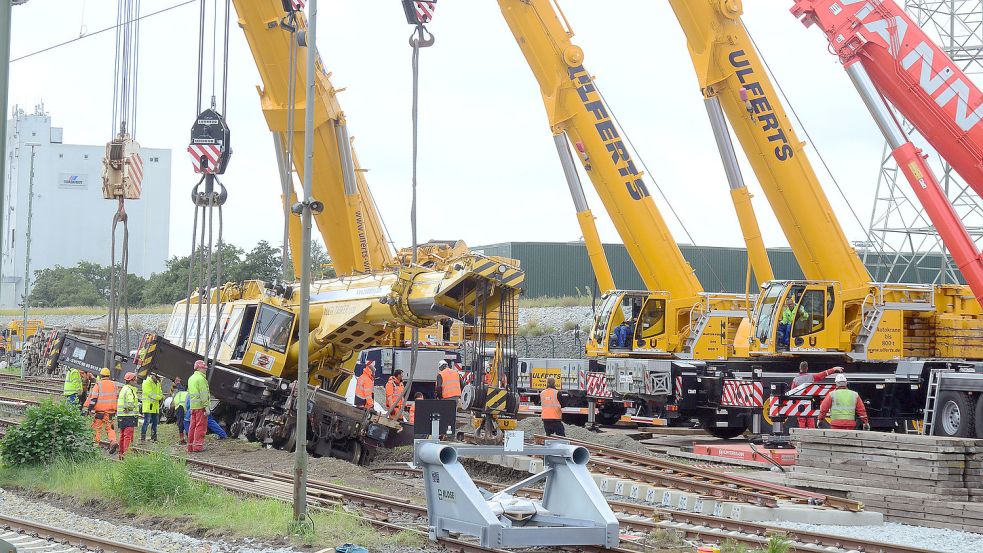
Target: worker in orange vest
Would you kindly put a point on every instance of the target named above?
(394, 395)
(416, 397)
(552, 414)
(102, 405)
(448, 382)
(363, 388)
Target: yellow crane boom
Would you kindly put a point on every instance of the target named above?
(575, 109)
(733, 79)
(352, 230)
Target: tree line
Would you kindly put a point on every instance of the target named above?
(87, 283)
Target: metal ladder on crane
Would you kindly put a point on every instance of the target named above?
(931, 397)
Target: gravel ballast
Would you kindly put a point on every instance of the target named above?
(935, 539)
(155, 540)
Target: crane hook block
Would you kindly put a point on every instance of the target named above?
(210, 148)
(122, 169)
(419, 12)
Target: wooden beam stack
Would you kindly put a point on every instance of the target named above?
(924, 480)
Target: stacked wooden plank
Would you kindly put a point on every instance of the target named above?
(925, 480)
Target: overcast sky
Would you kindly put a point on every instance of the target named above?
(488, 171)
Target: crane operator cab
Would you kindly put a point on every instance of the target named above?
(630, 322)
(797, 317)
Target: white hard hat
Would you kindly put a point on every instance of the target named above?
(442, 363)
(840, 378)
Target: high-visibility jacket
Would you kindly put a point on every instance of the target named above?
(73, 382)
(412, 412)
(789, 316)
(363, 387)
(180, 399)
(450, 383)
(128, 405)
(394, 395)
(152, 396)
(198, 390)
(549, 400)
(844, 407)
(103, 396)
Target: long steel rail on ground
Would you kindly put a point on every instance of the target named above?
(698, 526)
(649, 469)
(70, 537)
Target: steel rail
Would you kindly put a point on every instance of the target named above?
(704, 476)
(70, 537)
(808, 541)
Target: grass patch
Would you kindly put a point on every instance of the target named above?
(156, 485)
(83, 310)
(733, 546)
(533, 329)
(562, 301)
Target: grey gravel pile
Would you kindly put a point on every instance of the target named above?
(534, 425)
(16, 506)
(934, 539)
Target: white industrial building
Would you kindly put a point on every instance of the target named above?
(72, 221)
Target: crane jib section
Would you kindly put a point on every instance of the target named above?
(911, 72)
(608, 132)
(759, 105)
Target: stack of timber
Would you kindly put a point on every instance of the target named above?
(924, 480)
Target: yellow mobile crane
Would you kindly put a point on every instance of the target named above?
(889, 335)
(676, 317)
(848, 314)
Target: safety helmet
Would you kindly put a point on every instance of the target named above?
(130, 376)
(105, 372)
(200, 365)
(442, 364)
(840, 379)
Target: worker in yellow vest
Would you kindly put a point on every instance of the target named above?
(152, 396)
(199, 401)
(363, 388)
(844, 407)
(73, 387)
(552, 414)
(394, 395)
(127, 412)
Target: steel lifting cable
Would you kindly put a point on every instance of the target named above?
(210, 150)
(421, 38)
(126, 70)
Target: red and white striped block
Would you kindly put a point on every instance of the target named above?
(424, 11)
(597, 385)
(136, 173)
(738, 393)
(800, 405)
(211, 153)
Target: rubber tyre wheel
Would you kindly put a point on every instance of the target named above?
(958, 404)
(608, 419)
(722, 432)
(979, 416)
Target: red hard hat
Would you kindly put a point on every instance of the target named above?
(200, 365)
(129, 376)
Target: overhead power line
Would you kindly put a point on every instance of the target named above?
(110, 28)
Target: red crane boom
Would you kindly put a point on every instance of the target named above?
(889, 57)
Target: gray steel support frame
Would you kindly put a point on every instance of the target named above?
(904, 245)
(573, 510)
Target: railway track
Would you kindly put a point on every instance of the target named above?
(635, 517)
(650, 470)
(27, 535)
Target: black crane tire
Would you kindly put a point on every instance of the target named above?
(954, 415)
(979, 416)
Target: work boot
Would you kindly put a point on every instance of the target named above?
(143, 439)
(113, 446)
